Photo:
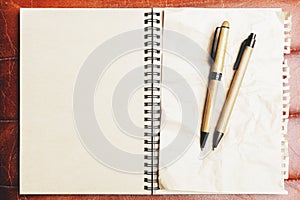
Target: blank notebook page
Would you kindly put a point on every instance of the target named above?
(248, 159)
(75, 67)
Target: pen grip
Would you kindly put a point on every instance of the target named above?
(233, 91)
(211, 95)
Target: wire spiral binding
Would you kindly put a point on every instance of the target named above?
(152, 114)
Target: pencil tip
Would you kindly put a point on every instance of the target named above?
(217, 138)
(203, 138)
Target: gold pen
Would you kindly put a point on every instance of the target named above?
(240, 68)
(215, 77)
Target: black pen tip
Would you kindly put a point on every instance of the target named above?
(216, 139)
(203, 138)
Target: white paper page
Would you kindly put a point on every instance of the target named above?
(248, 159)
(81, 103)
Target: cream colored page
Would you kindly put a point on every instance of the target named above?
(81, 103)
(248, 159)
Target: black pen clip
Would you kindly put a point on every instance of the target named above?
(215, 43)
(240, 54)
(250, 41)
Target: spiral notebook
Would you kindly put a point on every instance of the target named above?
(111, 102)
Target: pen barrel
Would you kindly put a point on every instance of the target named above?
(209, 105)
(215, 78)
(233, 91)
(218, 65)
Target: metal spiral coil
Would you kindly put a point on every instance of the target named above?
(152, 111)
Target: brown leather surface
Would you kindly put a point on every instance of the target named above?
(11, 193)
(8, 88)
(9, 56)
